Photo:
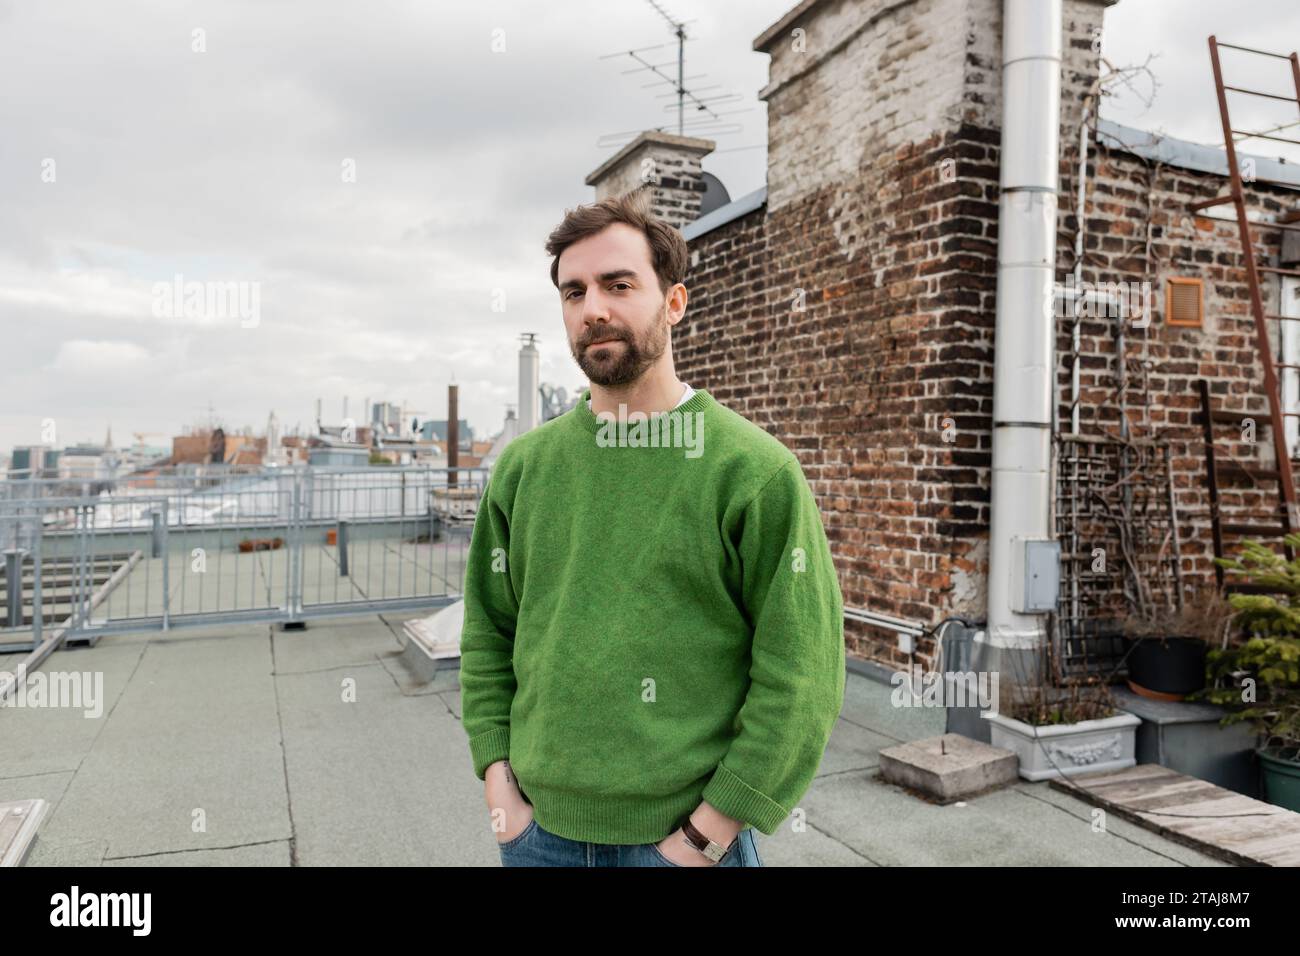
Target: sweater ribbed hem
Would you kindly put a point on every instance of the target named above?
(609, 819)
(731, 796)
(487, 748)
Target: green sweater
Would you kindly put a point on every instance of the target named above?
(650, 626)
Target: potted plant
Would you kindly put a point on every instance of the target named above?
(1257, 674)
(1166, 645)
(1060, 731)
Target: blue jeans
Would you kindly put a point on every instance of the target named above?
(538, 847)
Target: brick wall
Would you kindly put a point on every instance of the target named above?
(852, 316)
(1138, 228)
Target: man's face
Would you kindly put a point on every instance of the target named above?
(615, 315)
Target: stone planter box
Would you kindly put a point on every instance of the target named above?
(1085, 747)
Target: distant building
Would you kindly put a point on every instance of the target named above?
(203, 447)
(339, 434)
(145, 454)
(88, 463)
(386, 417)
(330, 455)
(295, 449)
(340, 446)
(435, 429)
(275, 455)
(33, 461)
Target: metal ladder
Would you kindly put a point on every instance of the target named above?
(1225, 470)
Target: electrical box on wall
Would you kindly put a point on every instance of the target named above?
(1036, 575)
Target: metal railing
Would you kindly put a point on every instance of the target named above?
(280, 545)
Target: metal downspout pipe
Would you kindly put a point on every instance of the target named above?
(1024, 386)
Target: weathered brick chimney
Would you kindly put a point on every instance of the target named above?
(669, 165)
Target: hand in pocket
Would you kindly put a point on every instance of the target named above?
(511, 813)
(676, 850)
(516, 819)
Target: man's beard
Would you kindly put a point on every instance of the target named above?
(617, 371)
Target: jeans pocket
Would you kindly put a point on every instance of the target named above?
(654, 848)
(742, 852)
(532, 824)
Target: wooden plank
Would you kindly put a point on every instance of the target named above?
(1221, 823)
(1167, 797)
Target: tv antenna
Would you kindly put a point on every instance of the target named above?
(712, 123)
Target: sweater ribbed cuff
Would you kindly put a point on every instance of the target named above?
(487, 748)
(731, 796)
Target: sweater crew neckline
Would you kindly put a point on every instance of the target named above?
(698, 402)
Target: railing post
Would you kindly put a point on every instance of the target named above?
(13, 587)
(85, 567)
(155, 548)
(300, 504)
(343, 547)
(38, 602)
(166, 563)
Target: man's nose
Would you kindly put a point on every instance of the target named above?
(595, 307)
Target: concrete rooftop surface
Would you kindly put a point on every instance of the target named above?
(234, 746)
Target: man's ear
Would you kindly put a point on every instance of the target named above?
(676, 301)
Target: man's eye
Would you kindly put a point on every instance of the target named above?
(570, 293)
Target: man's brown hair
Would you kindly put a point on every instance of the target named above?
(667, 245)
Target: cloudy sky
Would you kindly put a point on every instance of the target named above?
(383, 174)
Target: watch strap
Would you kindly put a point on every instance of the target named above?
(714, 851)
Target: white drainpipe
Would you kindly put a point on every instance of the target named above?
(1024, 385)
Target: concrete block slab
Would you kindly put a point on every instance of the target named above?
(948, 767)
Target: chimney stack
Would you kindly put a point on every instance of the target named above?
(453, 434)
(667, 164)
(529, 411)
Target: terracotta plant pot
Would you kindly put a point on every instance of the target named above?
(1167, 668)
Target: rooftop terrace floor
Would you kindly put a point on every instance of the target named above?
(244, 729)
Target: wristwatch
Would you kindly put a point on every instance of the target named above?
(714, 851)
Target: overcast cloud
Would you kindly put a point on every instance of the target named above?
(227, 165)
